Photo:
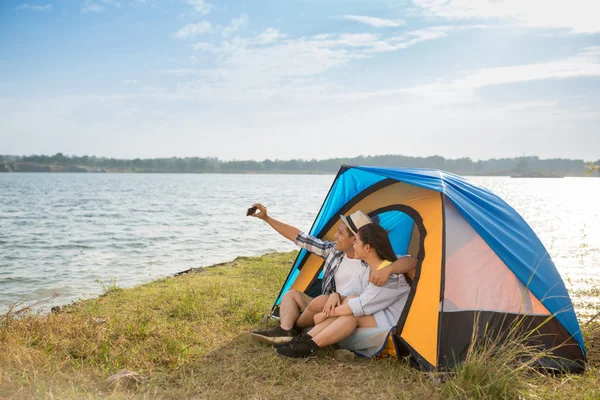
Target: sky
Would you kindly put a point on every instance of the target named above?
(300, 79)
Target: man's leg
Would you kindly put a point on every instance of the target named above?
(292, 304)
(289, 309)
(314, 307)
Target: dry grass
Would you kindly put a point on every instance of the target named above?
(187, 336)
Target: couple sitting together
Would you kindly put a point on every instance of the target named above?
(363, 287)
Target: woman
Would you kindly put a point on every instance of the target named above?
(363, 305)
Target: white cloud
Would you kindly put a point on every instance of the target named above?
(295, 57)
(369, 43)
(270, 35)
(529, 105)
(204, 46)
(463, 90)
(35, 7)
(98, 6)
(355, 40)
(180, 72)
(376, 22)
(92, 7)
(575, 15)
(110, 2)
(200, 6)
(130, 82)
(270, 64)
(192, 30)
(585, 64)
(377, 44)
(235, 24)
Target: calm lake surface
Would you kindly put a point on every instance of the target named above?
(68, 232)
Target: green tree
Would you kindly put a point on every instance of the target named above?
(592, 168)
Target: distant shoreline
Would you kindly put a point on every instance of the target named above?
(176, 172)
(30, 168)
(516, 167)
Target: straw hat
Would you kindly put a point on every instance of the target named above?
(356, 220)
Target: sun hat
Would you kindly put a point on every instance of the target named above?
(356, 220)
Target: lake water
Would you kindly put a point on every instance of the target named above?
(67, 232)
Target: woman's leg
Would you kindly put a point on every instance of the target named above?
(317, 307)
(314, 307)
(341, 328)
(320, 327)
(367, 321)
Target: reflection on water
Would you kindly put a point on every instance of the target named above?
(66, 231)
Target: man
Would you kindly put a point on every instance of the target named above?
(297, 309)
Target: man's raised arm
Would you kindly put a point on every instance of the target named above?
(401, 266)
(285, 230)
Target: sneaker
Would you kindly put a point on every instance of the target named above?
(273, 335)
(303, 337)
(303, 349)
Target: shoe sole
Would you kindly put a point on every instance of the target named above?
(270, 340)
(309, 357)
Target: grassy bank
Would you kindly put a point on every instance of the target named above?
(187, 337)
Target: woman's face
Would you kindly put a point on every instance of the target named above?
(360, 248)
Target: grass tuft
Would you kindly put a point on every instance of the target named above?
(492, 371)
(109, 287)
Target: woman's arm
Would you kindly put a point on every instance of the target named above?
(339, 311)
(376, 298)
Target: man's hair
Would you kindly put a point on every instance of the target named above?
(350, 233)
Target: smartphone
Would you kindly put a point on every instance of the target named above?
(251, 211)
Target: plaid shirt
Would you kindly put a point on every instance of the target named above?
(333, 258)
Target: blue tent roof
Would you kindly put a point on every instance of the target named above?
(498, 224)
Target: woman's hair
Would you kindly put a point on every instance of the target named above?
(376, 237)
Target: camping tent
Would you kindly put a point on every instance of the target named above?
(480, 268)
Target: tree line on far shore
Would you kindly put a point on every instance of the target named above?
(530, 165)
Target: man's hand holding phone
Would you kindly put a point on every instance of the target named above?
(262, 211)
(251, 211)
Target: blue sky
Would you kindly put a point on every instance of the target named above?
(300, 79)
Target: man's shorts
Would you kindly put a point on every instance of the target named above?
(305, 299)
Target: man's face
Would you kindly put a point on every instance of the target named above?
(343, 239)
